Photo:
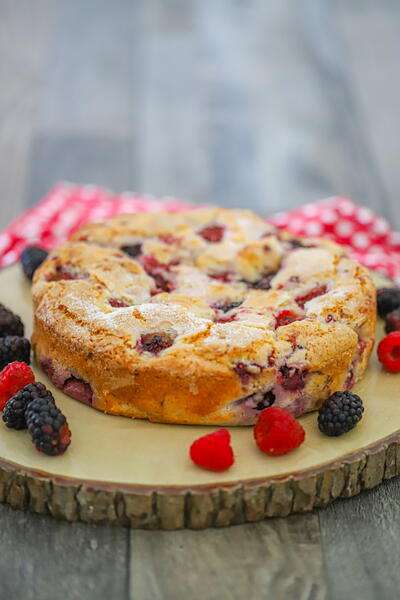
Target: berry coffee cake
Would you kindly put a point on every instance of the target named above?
(206, 317)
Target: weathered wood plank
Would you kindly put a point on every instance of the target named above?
(20, 84)
(45, 559)
(90, 87)
(280, 558)
(258, 104)
(274, 109)
(370, 38)
(98, 159)
(171, 125)
(359, 535)
(59, 560)
(360, 539)
(315, 116)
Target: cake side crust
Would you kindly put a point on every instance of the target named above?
(188, 341)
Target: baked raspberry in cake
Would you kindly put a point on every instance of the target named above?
(205, 317)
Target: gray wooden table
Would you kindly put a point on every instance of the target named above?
(262, 104)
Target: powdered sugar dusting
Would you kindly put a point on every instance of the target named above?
(216, 298)
(163, 316)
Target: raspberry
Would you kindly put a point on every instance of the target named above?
(388, 299)
(277, 431)
(10, 324)
(213, 451)
(12, 378)
(63, 273)
(47, 425)
(285, 317)
(212, 233)
(314, 293)
(168, 239)
(117, 303)
(340, 413)
(228, 319)
(291, 378)
(389, 352)
(392, 321)
(14, 348)
(14, 411)
(31, 258)
(246, 371)
(78, 389)
(225, 276)
(152, 266)
(157, 271)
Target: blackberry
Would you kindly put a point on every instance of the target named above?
(261, 400)
(212, 233)
(31, 258)
(295, 244)
(340, 413)
(388, 300)
(264, 283)
(392, 321)
(133, 251)
(47, 425)
(163, 284)
(155, 342)
(226, 305)
(10, 324)
(13, 348)
(266, 400)
(14, 411)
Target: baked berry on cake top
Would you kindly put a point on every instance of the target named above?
(206, 316)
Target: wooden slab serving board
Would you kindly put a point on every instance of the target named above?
(131, 472)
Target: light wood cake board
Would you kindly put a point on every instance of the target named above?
(131, 472)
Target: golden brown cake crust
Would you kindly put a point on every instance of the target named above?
(203, 317)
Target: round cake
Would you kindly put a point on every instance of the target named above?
(206, 316)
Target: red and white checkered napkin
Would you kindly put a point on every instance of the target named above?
(368, 237)
(66, 208)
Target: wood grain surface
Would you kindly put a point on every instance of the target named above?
(258, 104)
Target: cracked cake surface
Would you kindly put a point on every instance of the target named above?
(206, 316)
